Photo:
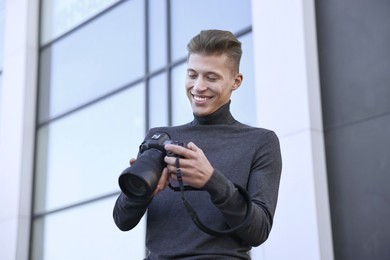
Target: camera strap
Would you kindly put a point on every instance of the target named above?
(194, 215)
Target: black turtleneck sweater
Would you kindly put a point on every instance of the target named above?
(240, 154)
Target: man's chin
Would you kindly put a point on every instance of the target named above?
(200, 112)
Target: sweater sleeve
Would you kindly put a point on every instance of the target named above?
(128, 212)
(263, 186)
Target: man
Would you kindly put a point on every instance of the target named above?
(221, 155)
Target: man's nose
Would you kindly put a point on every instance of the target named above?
(200, 85)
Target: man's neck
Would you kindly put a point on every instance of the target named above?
(221, 116)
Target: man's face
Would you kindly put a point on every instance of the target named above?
(209, 82)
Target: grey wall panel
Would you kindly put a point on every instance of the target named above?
(354, 40)
(359, 186)
(354, 59)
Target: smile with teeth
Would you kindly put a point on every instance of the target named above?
(200, 99)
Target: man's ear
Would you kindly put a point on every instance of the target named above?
(237, 81)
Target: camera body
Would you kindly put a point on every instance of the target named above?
(158, 141)
(140, 179)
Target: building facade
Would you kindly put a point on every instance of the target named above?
(81, 81)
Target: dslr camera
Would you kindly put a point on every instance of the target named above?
(140, 179)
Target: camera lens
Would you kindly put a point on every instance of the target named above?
(134, 185)
(140, 180)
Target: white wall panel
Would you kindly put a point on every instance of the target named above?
(17, 126)
(288, 102)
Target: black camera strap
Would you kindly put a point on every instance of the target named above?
(194, 215)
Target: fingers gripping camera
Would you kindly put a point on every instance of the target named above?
(140, 180)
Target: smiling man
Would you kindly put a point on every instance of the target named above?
(233, 169)
(211, 78)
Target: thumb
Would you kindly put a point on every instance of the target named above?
(192, 146)
(132, 161)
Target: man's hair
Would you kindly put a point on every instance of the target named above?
(217, 42)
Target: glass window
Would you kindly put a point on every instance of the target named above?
(87, 232)
(81, 156)
(100, 57)
(60, 16)
(243, 106)
(158, 101)
(190, 17)
(158, 34)
(181, 108)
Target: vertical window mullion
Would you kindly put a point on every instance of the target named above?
(147, 79)
(169, 62)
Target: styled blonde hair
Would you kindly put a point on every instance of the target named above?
(217, 42)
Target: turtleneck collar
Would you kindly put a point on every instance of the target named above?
(221, 116)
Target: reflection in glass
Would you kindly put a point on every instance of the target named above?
(60, 16)
(100, 57)
(86, 232)
(243, 106)
(80, 156)
(190, 17)
(181, 108)
(158, 101)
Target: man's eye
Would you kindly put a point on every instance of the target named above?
(212, 78)
(192, 76)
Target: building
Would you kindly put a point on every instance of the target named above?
(81, 82)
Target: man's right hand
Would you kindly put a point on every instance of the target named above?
(162, 182)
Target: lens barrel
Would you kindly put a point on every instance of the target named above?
(140, 180)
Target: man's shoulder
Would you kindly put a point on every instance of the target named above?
(256, 129)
